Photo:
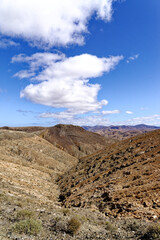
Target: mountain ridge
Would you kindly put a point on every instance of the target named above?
(73, 139)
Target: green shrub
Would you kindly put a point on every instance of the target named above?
(73, 225)
(29, 226)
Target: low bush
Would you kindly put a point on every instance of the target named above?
(110, 227)
(24, 214)
(73, 225)
(65, 211)
(29, 226)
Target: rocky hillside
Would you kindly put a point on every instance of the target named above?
(121, 180)
(23, 129)
(29, 193)
(72, 139)
(114, 134)
(29, 164)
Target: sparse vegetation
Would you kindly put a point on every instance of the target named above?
(152, 232)
(65, 211)
(134, 225)
(73, 225)
(5, 198)
(110, 227)
(29, 226)
(24, 214)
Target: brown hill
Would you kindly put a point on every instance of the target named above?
(23, 129)
(114, 134)
(72, 139)
(29, 165)
(121, 180)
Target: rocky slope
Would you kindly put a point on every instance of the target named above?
(29, 165)
(122, 180)
(114, 134)
(72, 139)
(29, 195)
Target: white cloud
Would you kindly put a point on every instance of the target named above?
(69, 118)
(66, 115)
(62, 82)
(129, 112)
(70, 115)
(110, 112)
(132, 58)
(51, 22)
(5, 43)
(149, 120)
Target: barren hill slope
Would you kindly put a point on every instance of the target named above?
(23, 129)
(121, 180)
(30, 164)
(72, 139)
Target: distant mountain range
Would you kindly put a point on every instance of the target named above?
(116, 133)
(127, 127)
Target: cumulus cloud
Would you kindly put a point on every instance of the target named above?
(51, 22)
(132, 58)
(5, 43)
(62, 82)
(129, 112)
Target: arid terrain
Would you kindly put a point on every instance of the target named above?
(47, 193)
(72, 139)
(121, 180)
(114, 134)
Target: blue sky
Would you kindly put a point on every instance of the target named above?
(79, 62)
